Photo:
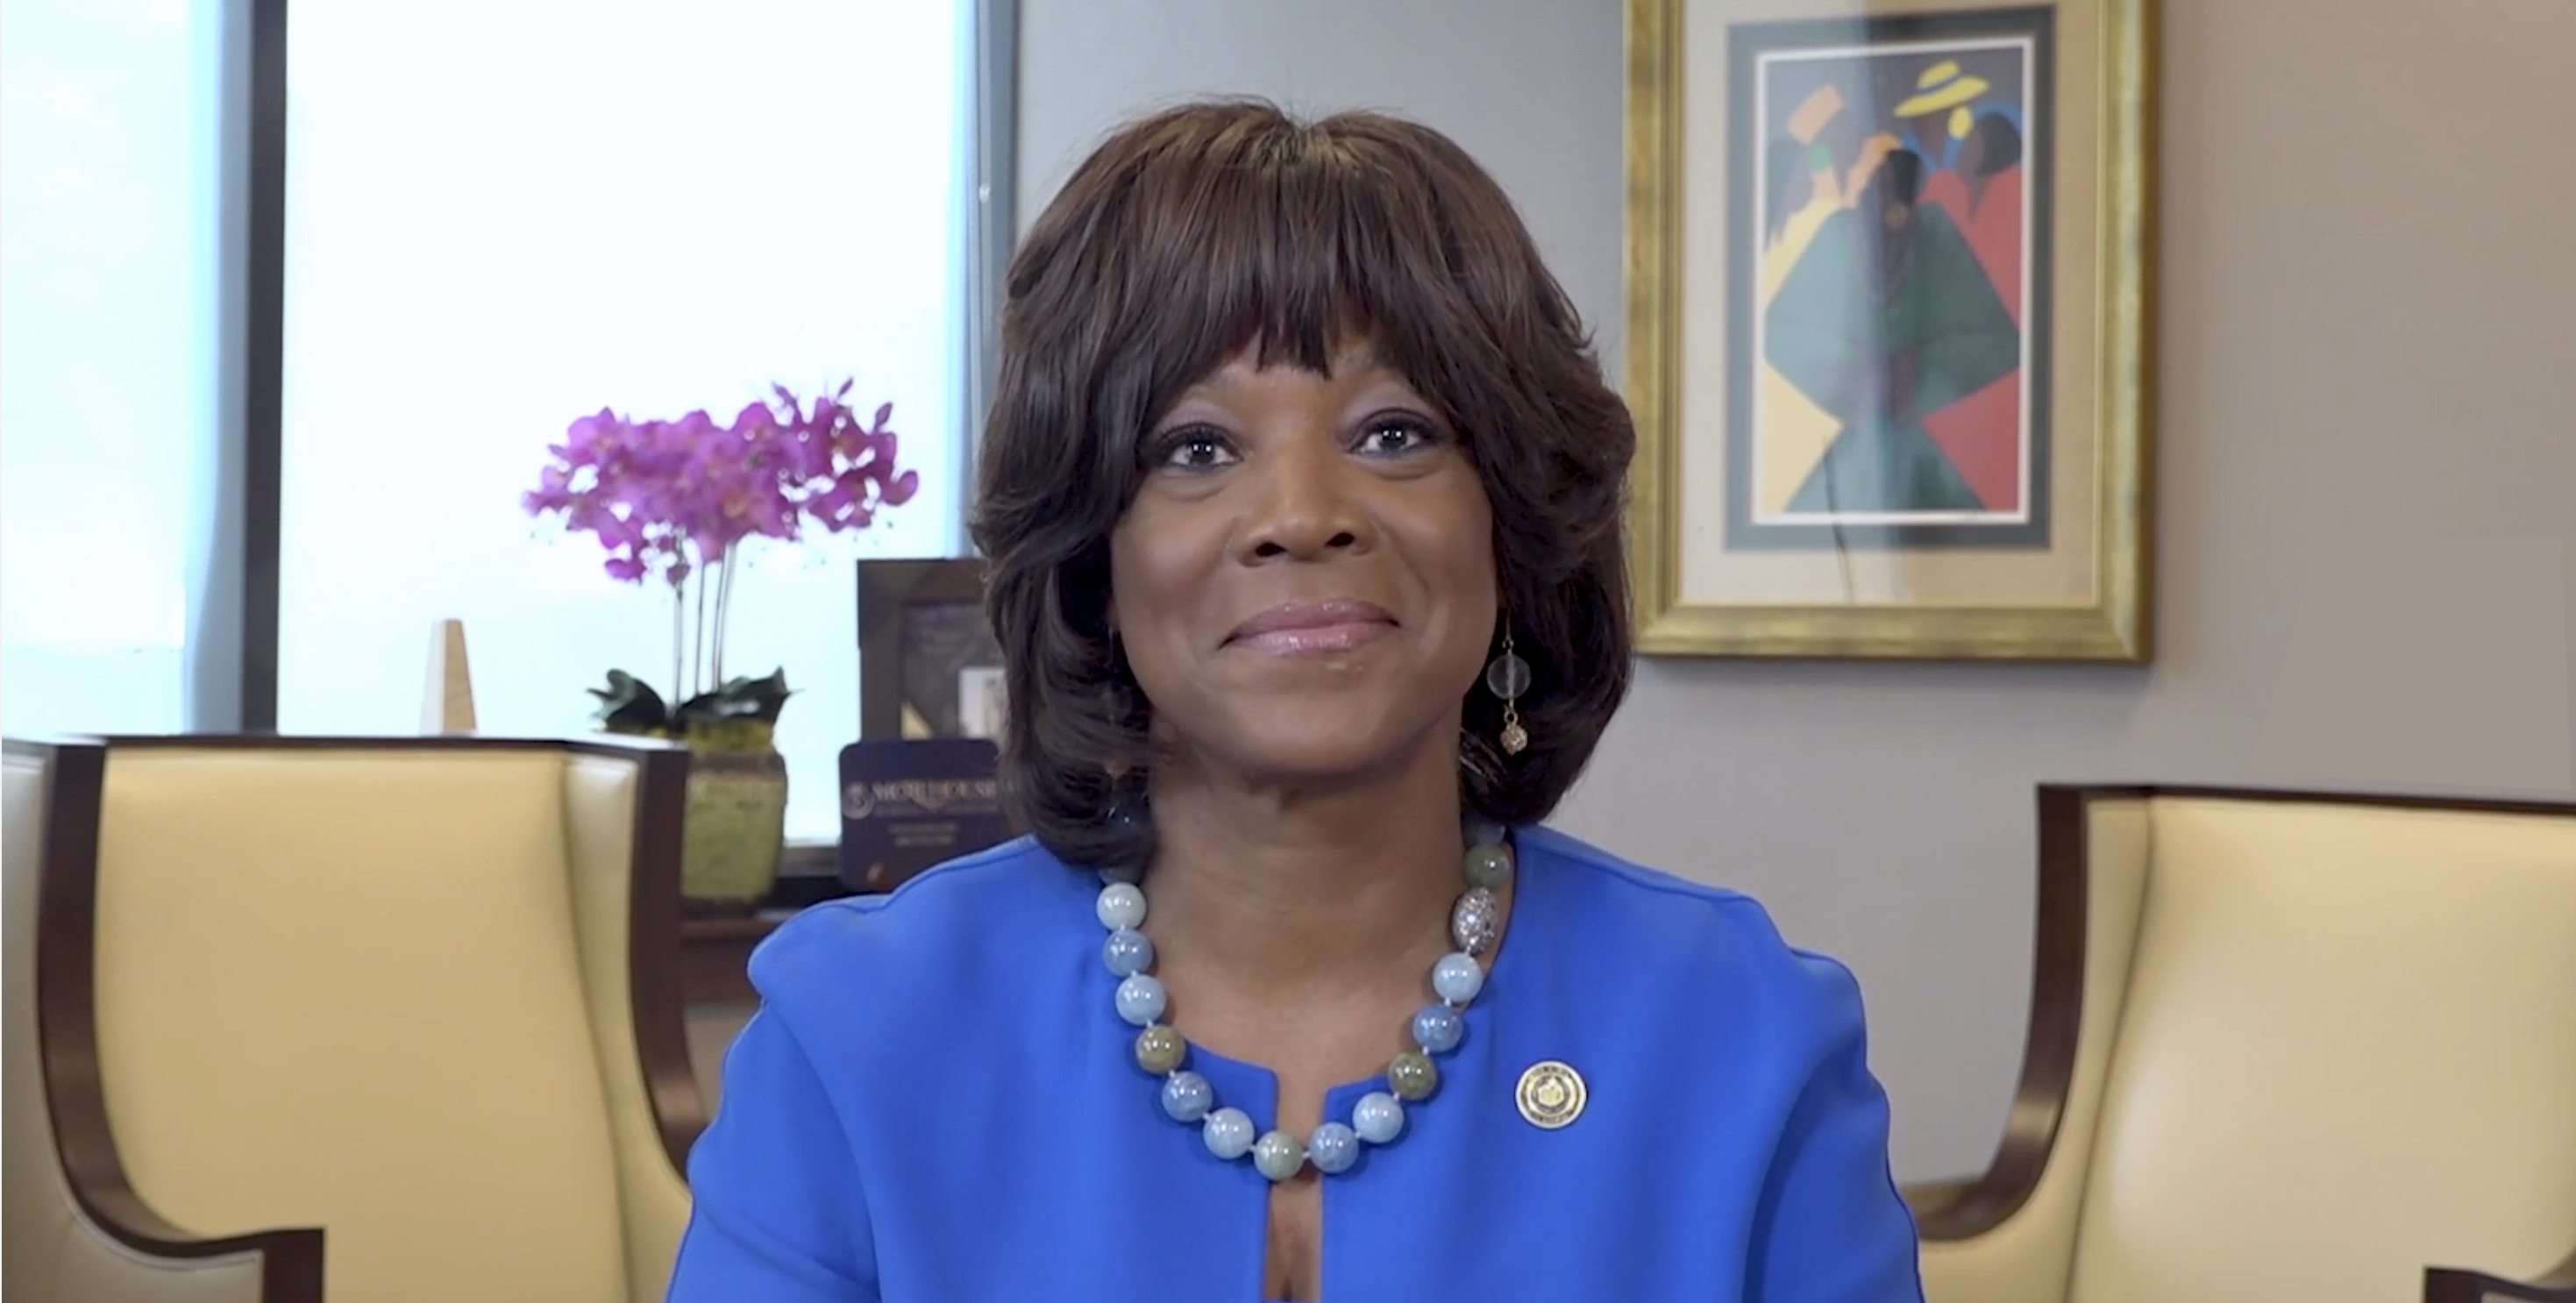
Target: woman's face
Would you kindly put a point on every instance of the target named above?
(1305, 583)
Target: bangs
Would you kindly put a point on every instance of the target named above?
(1298, 240)
(1197, 234)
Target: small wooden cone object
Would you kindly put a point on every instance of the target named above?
(448, 706)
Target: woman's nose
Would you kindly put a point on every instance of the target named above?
(1304, 503)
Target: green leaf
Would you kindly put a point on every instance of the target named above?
(630, 705)
(739, 715)
(724, 711)
(767, 696)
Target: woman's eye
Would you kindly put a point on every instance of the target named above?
(1389, 437)
(1196, 450)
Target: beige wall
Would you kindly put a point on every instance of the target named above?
(2368, 566)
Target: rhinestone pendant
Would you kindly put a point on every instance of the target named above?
(1476, 922)
(1515, 739)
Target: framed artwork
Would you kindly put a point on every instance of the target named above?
(1888, 343)
(928, 664)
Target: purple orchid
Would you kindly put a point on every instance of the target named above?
(672, 500)
(666, 498)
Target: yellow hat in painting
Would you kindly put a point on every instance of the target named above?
(1941, 86)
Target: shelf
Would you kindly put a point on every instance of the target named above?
(715, 951)
(715, 947)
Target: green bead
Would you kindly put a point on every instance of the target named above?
(1278, 1155)
(1489, 866)
(1158, 1049)
(1411, 1077)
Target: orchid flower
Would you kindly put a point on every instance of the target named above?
(673, 500)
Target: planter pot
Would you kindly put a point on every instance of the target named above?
(735, 829)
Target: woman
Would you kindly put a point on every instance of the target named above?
(1300, 495)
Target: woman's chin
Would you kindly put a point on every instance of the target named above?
(1319, 747)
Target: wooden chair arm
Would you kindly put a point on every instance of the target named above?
(67, 1032)
(1960, 1209)
(2457, 1285)
(290, 1261)
(1966, 1209)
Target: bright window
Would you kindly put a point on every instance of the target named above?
(502, 216)
(108, 240)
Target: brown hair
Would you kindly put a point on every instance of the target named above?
(1192, 233)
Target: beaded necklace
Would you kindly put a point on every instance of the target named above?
(1475, 924)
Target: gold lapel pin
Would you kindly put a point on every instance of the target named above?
(1551, 1095)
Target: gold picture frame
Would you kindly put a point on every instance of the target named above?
(1733, 553)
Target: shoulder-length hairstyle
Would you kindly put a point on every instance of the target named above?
(1192, 234)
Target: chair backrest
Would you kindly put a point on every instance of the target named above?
(2346, 1052)
(346, 987)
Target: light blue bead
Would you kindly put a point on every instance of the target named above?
(1187, 1096)
(1482, 831)
(1489, 867)
(1228, 1133)
(1122, 904)
(1437, 1029)
(1457, 977)
(1333, 1148)
(1379, 1118)
(1127, 952)
(1130, 874)
(1141, 999)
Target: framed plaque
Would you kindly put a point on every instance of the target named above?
(928, 664)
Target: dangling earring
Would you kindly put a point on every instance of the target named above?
(1507, 677)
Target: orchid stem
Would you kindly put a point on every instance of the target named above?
(724, 607)
(698, 667)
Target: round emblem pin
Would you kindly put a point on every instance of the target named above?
(1551, 1095)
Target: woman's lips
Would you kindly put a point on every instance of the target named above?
(1298, 628)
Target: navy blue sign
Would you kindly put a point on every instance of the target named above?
(906, 806)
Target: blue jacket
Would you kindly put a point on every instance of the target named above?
(937, 1103)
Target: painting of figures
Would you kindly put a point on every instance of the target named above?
(1889, 328)
(1892, 194)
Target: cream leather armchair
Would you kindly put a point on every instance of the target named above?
(383, 1021)
(2285, 1048)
